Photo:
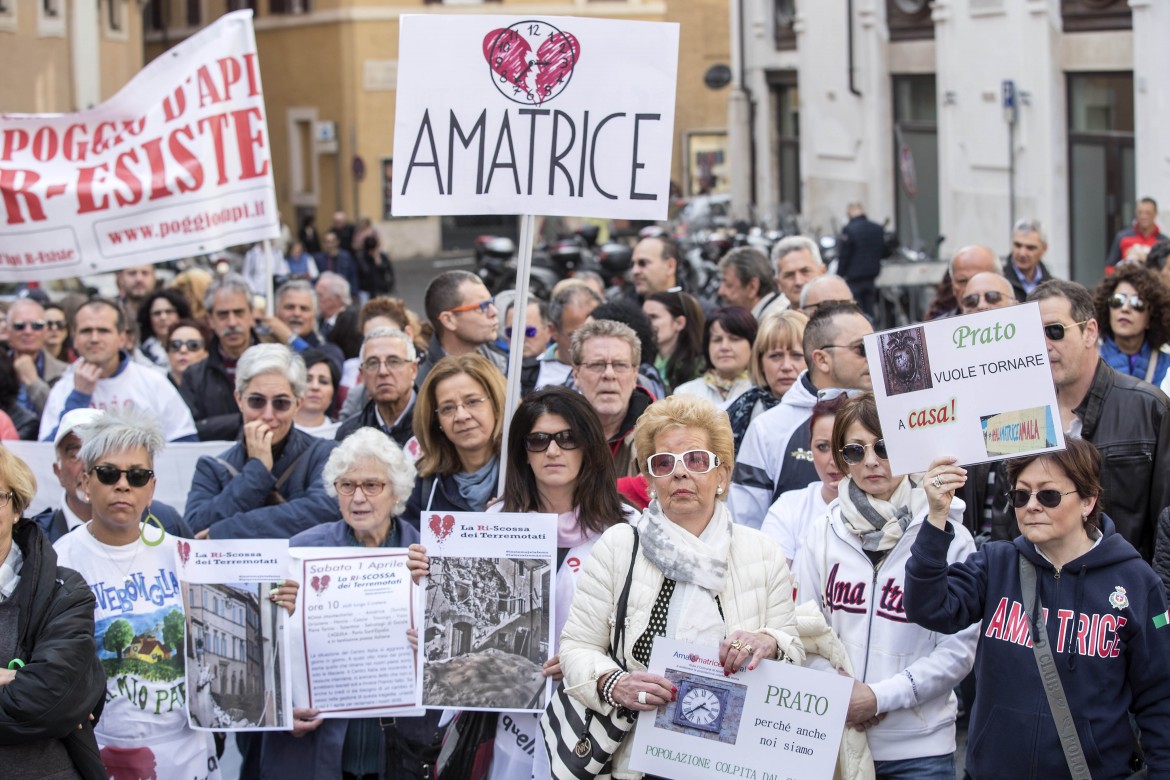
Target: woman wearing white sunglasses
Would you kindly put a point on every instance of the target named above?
(852, 564)
(697, 577)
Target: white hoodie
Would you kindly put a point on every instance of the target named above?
(912, 671)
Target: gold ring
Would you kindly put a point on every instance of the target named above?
(736, 644)
(747, 648)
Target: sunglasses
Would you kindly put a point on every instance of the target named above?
(1047, 498)
(663, 464)
(1055, 331)
(1119, 300)
(109, 475)
(529, 331)
(538, 442)
(256, 402)
(192, 345)
(854, 454)
(37, 325)
(859, 347)
(369, 488)
(56, 324)
(483, 306)
(993, 297)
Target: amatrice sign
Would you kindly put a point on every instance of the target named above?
(177, 163)
(546, 115)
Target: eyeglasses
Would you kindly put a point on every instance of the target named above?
(483, 306)
(619, 367)
(369, 488)
(529, 331)
(1119, 300)
(1047, 498)
(37, 325)
(109, 475)
(833, 393)
(663, 464)
(854, 454)
(538, 442)
(470, 405)
(5, 498)
(993, 297)
(257, 402)
(56, 324)
(859, 347)
(192, 345)
(391, 363)
(1055, 331)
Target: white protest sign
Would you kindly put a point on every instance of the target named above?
(777, 722)
(238, 676)
(976, 387)
(354, 603)
(488, 610)
(177, 163)
(522, 115)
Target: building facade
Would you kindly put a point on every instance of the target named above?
(952, 118)
(329, 69)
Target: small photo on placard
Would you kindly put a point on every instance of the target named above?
(906, 361)
(1025, 430)
(705, 707)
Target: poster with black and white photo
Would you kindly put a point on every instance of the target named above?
(487, 611)
(236, 638)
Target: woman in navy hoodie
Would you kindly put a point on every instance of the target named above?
(1105, 620)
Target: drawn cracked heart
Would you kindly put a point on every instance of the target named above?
(184, 552)
(320, 583)
(442, 526)
(532, 79)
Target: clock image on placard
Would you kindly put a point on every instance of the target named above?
(531, 62)
(700, 706)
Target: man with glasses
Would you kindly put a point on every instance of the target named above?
(774, 456)
(105, 376)
(655, 265)
(75, 509)
(208, 386)
(35, 368)
(606, 355)
(534, 339)
(388, 366)
(464, 316)
(985, 292)
(1125, 419)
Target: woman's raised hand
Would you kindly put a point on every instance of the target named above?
(417, 562)
(942, 480)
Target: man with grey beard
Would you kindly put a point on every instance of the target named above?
(75, 509)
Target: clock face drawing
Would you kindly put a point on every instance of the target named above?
(700, 706)
(531, 62)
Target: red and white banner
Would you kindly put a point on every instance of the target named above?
(178, 163)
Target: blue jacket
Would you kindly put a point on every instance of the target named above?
(237, 507)
(1135, 365)
(336, 534)
(1117, 664)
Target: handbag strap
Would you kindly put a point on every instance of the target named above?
(1070, 743)
(619, 626)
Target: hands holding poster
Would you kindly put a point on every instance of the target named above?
(977, 387)
(488, 610)
(777, 722)
(522, 115)
(236, 645)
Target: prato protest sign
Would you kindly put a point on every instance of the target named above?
(545, 115)
(977, 387)
(177, 163)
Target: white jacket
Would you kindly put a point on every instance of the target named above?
(757, 597)
(700, 389)
(912, 671)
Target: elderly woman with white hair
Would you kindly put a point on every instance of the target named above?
(371, 479)
(267, 486)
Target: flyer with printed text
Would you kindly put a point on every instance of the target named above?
(236, 643)
(354, 603)
(977, 387)
(776, 722)
(488, 610)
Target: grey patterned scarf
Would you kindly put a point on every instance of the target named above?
(682, 556)
(880, 524)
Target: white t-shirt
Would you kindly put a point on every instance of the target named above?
(140, 630)
(790, 516)
(135, 386)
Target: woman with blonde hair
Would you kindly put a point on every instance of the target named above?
(777, 360)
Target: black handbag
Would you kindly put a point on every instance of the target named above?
(580, 742)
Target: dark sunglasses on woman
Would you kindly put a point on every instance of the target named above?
(192, 345)
(1047, 498)
(109, 475)
(855, 453)
(282, 403)
(538, 442)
